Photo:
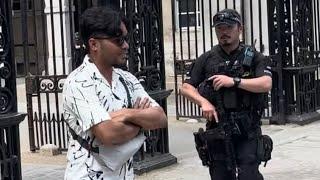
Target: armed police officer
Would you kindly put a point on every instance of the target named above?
(228, 83)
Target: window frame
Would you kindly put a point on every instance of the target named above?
(29, 4)
(197, 12)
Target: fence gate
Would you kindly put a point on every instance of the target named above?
(193, 34)
(45, 42)
(146, 62)
(50, 37)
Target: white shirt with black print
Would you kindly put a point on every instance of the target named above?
(87, 100)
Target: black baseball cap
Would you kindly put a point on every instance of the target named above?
(227, 16)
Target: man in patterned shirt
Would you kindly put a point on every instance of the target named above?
(105, 129)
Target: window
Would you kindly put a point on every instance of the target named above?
(188, 13)
(16, 5)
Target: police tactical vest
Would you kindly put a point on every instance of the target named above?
(241, 65)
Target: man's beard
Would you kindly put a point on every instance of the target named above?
(224, 41)
(119, 62)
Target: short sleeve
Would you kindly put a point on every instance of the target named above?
(196, 73)
(262, 65)
(82, 108)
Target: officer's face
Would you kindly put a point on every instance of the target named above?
(228, 34)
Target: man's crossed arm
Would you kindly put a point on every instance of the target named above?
(126, 123)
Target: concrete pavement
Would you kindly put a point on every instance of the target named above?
(295, 156)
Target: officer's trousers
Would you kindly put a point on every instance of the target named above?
(246, 160)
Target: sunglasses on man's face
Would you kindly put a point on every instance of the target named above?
(119, 41)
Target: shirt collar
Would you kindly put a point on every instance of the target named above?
(232, 53)
(96, 75)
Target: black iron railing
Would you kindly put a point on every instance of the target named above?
(294, 40)
(51, 29)
(146, 62)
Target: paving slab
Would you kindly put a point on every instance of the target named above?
(42, 172)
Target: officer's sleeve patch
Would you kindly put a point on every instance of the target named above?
(268, 71)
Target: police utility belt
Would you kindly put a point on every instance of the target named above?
(216, 142)
(216, 145)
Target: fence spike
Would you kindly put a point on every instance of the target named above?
(62, 117)
(35, 117)
(53, 118)
(44, 117)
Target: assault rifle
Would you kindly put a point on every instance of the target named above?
(216, 142)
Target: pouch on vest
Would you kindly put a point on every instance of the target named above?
(230, 98)
(264, 149)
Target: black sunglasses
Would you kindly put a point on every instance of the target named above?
(226, 16)
(119, 41)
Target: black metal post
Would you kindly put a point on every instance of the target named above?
(10, 163)
(280, 19)
(275, 13)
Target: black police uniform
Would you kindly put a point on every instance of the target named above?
(245, 148)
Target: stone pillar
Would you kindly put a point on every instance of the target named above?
(58, 35)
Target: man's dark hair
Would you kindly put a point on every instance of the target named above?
(100, 21)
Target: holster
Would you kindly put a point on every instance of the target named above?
(216, 138)
(202, 147)
(220, 145)
(211, 144)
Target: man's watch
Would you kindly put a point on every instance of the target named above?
(236, 81)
